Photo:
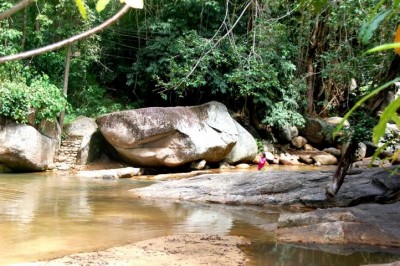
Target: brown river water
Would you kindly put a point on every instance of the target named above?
(43, 216)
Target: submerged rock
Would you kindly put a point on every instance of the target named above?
(126, 172)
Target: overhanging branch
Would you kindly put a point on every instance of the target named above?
(66, 42)
(15, 9)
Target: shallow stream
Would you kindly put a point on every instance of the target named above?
(43, 216)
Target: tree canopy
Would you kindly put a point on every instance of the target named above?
(275, 62)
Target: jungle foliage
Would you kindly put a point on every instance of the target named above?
(274, 62)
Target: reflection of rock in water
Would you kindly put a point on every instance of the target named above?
(202, 221)
(20, 203)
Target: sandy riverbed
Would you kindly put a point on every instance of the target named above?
(177, 250)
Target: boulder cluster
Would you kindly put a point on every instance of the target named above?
(312, 144)
(196, 137)
(147, 137)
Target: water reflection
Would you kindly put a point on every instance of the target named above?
(274, 254)
(221, 222)
(44, 216)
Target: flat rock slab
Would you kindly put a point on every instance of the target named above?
(366, 224)
(286, 188)
(126, 172)
(369, 224)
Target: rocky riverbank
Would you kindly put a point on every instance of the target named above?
(304, 217)
(299, 189)
(365, 211)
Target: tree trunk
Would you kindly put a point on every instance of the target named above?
(375, 104)
(310, 84)
(344, 164)
(311, 54)
(24, 29)
(315, 48)
(65, 85)
(253, 117)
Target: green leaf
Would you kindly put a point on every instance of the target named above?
(383, 47)
(388, 114)
(396, 119)
(318, 5)
(396, 3)
(81, 8)
(360, 102)
(394, 156)
(101, 4)
(369, 27)
(303, 3)
(369, 20)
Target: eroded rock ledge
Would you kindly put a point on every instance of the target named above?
(290, 189)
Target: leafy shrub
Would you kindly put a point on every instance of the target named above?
(41, 99)
(92, 101)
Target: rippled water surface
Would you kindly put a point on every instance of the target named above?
(43, 216)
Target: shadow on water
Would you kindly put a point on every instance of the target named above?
(44, 216)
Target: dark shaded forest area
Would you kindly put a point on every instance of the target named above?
(272, 62)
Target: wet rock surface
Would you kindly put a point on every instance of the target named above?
(375, 221)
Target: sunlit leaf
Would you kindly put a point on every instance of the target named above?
(394, 156)
(387, 46)
(101, 4)
(360, 102)
(81, 8)
(387, 115)
(396, 119)
(133, 3)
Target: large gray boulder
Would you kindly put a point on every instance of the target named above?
(245, 149)
(314, 131)
(319, 131)
(25, 148)
(286, 133)
(171, 137)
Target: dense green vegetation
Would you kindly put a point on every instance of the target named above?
(274, 62)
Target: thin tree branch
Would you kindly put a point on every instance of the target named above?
(68, 41)
(21, 5)
(215, 44)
